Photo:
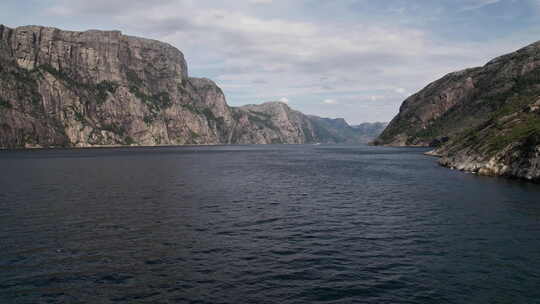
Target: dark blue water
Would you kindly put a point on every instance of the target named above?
(257, 224)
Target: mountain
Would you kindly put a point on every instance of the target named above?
(484, 120)
(339, 131)
(370, 130)
(102, 88)
(275, 122)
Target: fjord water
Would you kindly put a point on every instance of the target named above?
(262, 224)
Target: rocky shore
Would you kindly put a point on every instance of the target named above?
(484, 120)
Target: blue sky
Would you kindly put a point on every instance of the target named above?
(355, 59)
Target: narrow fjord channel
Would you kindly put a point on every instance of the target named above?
(254, 224)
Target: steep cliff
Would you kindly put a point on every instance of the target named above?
(508, 144)
(98, 88)
(339, 131)
(271, 122)
(369, 131)
(484, 120)
(62, 88)
(276, 122)
(444, 107)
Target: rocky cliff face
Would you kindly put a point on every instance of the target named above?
(434, 111)
(276, 122)
(484, 120)
(508, 144)
(95, 88)
(98, 88)
(369, 131)
(339, 131)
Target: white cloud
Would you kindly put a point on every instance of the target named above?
(284, 99)
(376, 97)
(477, 4)
(330, 101)
(261, 53)
(260, 1)
(401, 91)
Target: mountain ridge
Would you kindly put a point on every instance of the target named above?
(484, 120)
(102, 88)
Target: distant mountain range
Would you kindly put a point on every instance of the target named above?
(101, 88)
(485, 120)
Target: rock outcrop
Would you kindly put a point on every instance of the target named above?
(271, 122)
(276, 122)
(101, 88)
(369, 131)
(484, 120)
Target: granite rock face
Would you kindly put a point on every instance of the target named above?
(506, 145)
(435, 111)
(485, 120)
(101, 88)
(276, 122)
(97, 88)
(369, 131)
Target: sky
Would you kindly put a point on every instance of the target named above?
(352, 59)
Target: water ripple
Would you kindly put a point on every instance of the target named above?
(251, 224)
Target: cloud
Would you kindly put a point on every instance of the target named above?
(401, 91)
(105, 7)
(376, 97)
(260, 1)
(477, 4)
(307, 50)
(330, 101)
(284, 99)
(259, 81)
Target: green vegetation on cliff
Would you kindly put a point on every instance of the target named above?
(485, 119)
(112, 89)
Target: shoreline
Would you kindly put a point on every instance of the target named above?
(34, 148)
